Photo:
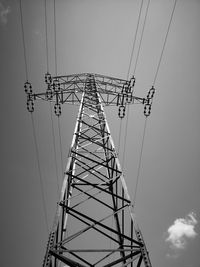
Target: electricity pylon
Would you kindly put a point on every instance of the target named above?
(94, 223)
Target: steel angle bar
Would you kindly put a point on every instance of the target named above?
(98, 250)
(87, 168)
(98, 163)
(80, 258)
(66, 260)
(94, 126)
(71, 211)
(93, 197)
(122, 259)
(96, 229)
(95, 222)
(131, 260)
(104, 190)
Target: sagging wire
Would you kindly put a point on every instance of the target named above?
(145, 125)
(141, 38)
(33, 125)
(60, 142)
(54, 148)
(129, 67)
(51, 116)
(139, 164)
(40, 173)
(136, 62)
(134, 41)
(47, 49)
(23, 39)
(55, 39)
(165, 41)
(56, 69)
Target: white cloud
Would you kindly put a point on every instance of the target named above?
(4, 11)
(181, 231)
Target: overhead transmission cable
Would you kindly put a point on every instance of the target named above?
(134, 41)
(130, 63)
(164, 44)
(145, 125)
(136, 62)
(55, 38)
(47, 49)
(33, 125)
(139, 164)
(56, 72)
(40, 173)
(61, 155)
(54, 148)
(50, 106)
(23, 40)
(141, 38)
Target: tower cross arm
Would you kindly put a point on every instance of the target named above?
(68, 89)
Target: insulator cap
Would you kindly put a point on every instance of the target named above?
(56, 86)
(30, 105)
(129, 97)
(147, 110)
(57, 109)
(132, 82)
(121, 112)
(151, 93)
(49, 93)
(28, 88)
(48, 78)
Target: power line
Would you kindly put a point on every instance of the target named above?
(60, 141)
(23, 40)
(40, 174)
(139, 164)
(141, 38)
(144, 131)
(134, 41)
(128, 72)
(54, 148)
(165, 41)
(33, 125)
(119, 137)
(55, 43)
(47, 50)
(136, 62)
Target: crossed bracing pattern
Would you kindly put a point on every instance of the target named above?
(94, 225)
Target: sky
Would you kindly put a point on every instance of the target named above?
(97, 36)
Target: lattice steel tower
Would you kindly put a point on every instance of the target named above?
(94, 223)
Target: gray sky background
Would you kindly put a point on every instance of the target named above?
(97, 36)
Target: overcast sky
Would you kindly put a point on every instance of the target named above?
(97, 36)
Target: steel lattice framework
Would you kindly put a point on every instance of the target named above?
(94, 223)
